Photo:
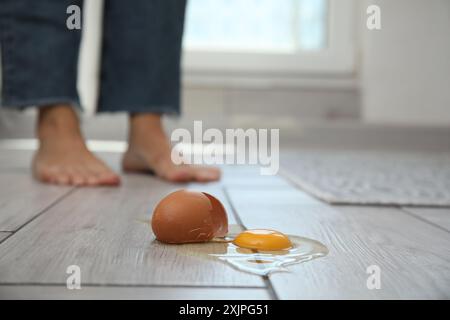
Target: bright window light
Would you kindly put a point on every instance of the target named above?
(256, 25)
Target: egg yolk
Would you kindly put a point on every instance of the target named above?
(261, 239)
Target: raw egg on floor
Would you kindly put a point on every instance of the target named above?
(262, 239)
(188, 216)
(263, 262)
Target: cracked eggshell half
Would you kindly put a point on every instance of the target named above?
(189, 216)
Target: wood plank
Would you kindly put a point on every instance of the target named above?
(98, 230)
(238, 175)
(437, 216)
(413, 256)
(4, 235)
(135, 293)
(247, 176)
(22, 198)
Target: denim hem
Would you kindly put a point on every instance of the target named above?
(38, 103)
(154, 109)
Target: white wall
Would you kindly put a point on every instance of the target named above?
(406, 64)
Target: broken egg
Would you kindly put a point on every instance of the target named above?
(187, 216)
(263, 239)
(275, 257)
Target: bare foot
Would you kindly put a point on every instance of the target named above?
(149, 150)
(62, 157)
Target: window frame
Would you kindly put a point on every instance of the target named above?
(338, 59)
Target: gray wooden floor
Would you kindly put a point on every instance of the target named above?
(44, 229)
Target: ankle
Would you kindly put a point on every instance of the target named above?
(58, 122)
(145, 118)
(145, 126)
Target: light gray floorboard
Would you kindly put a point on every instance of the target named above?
(99, 230)
(414, 256)
(4, 235)
(246, 176)
(437, 216)
(22, 199)
(135, 293)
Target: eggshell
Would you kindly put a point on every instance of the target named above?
(189, 216)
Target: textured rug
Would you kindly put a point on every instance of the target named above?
(369, 177)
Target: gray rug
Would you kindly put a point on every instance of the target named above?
(363, 177)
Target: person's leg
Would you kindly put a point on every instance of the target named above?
(39, 66)
(141, 75)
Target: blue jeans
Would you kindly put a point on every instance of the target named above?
(140, 65)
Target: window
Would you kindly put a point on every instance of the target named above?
(256, 25)
(269, 36)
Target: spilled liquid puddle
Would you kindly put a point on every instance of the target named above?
(254, 261)
(264, 262)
